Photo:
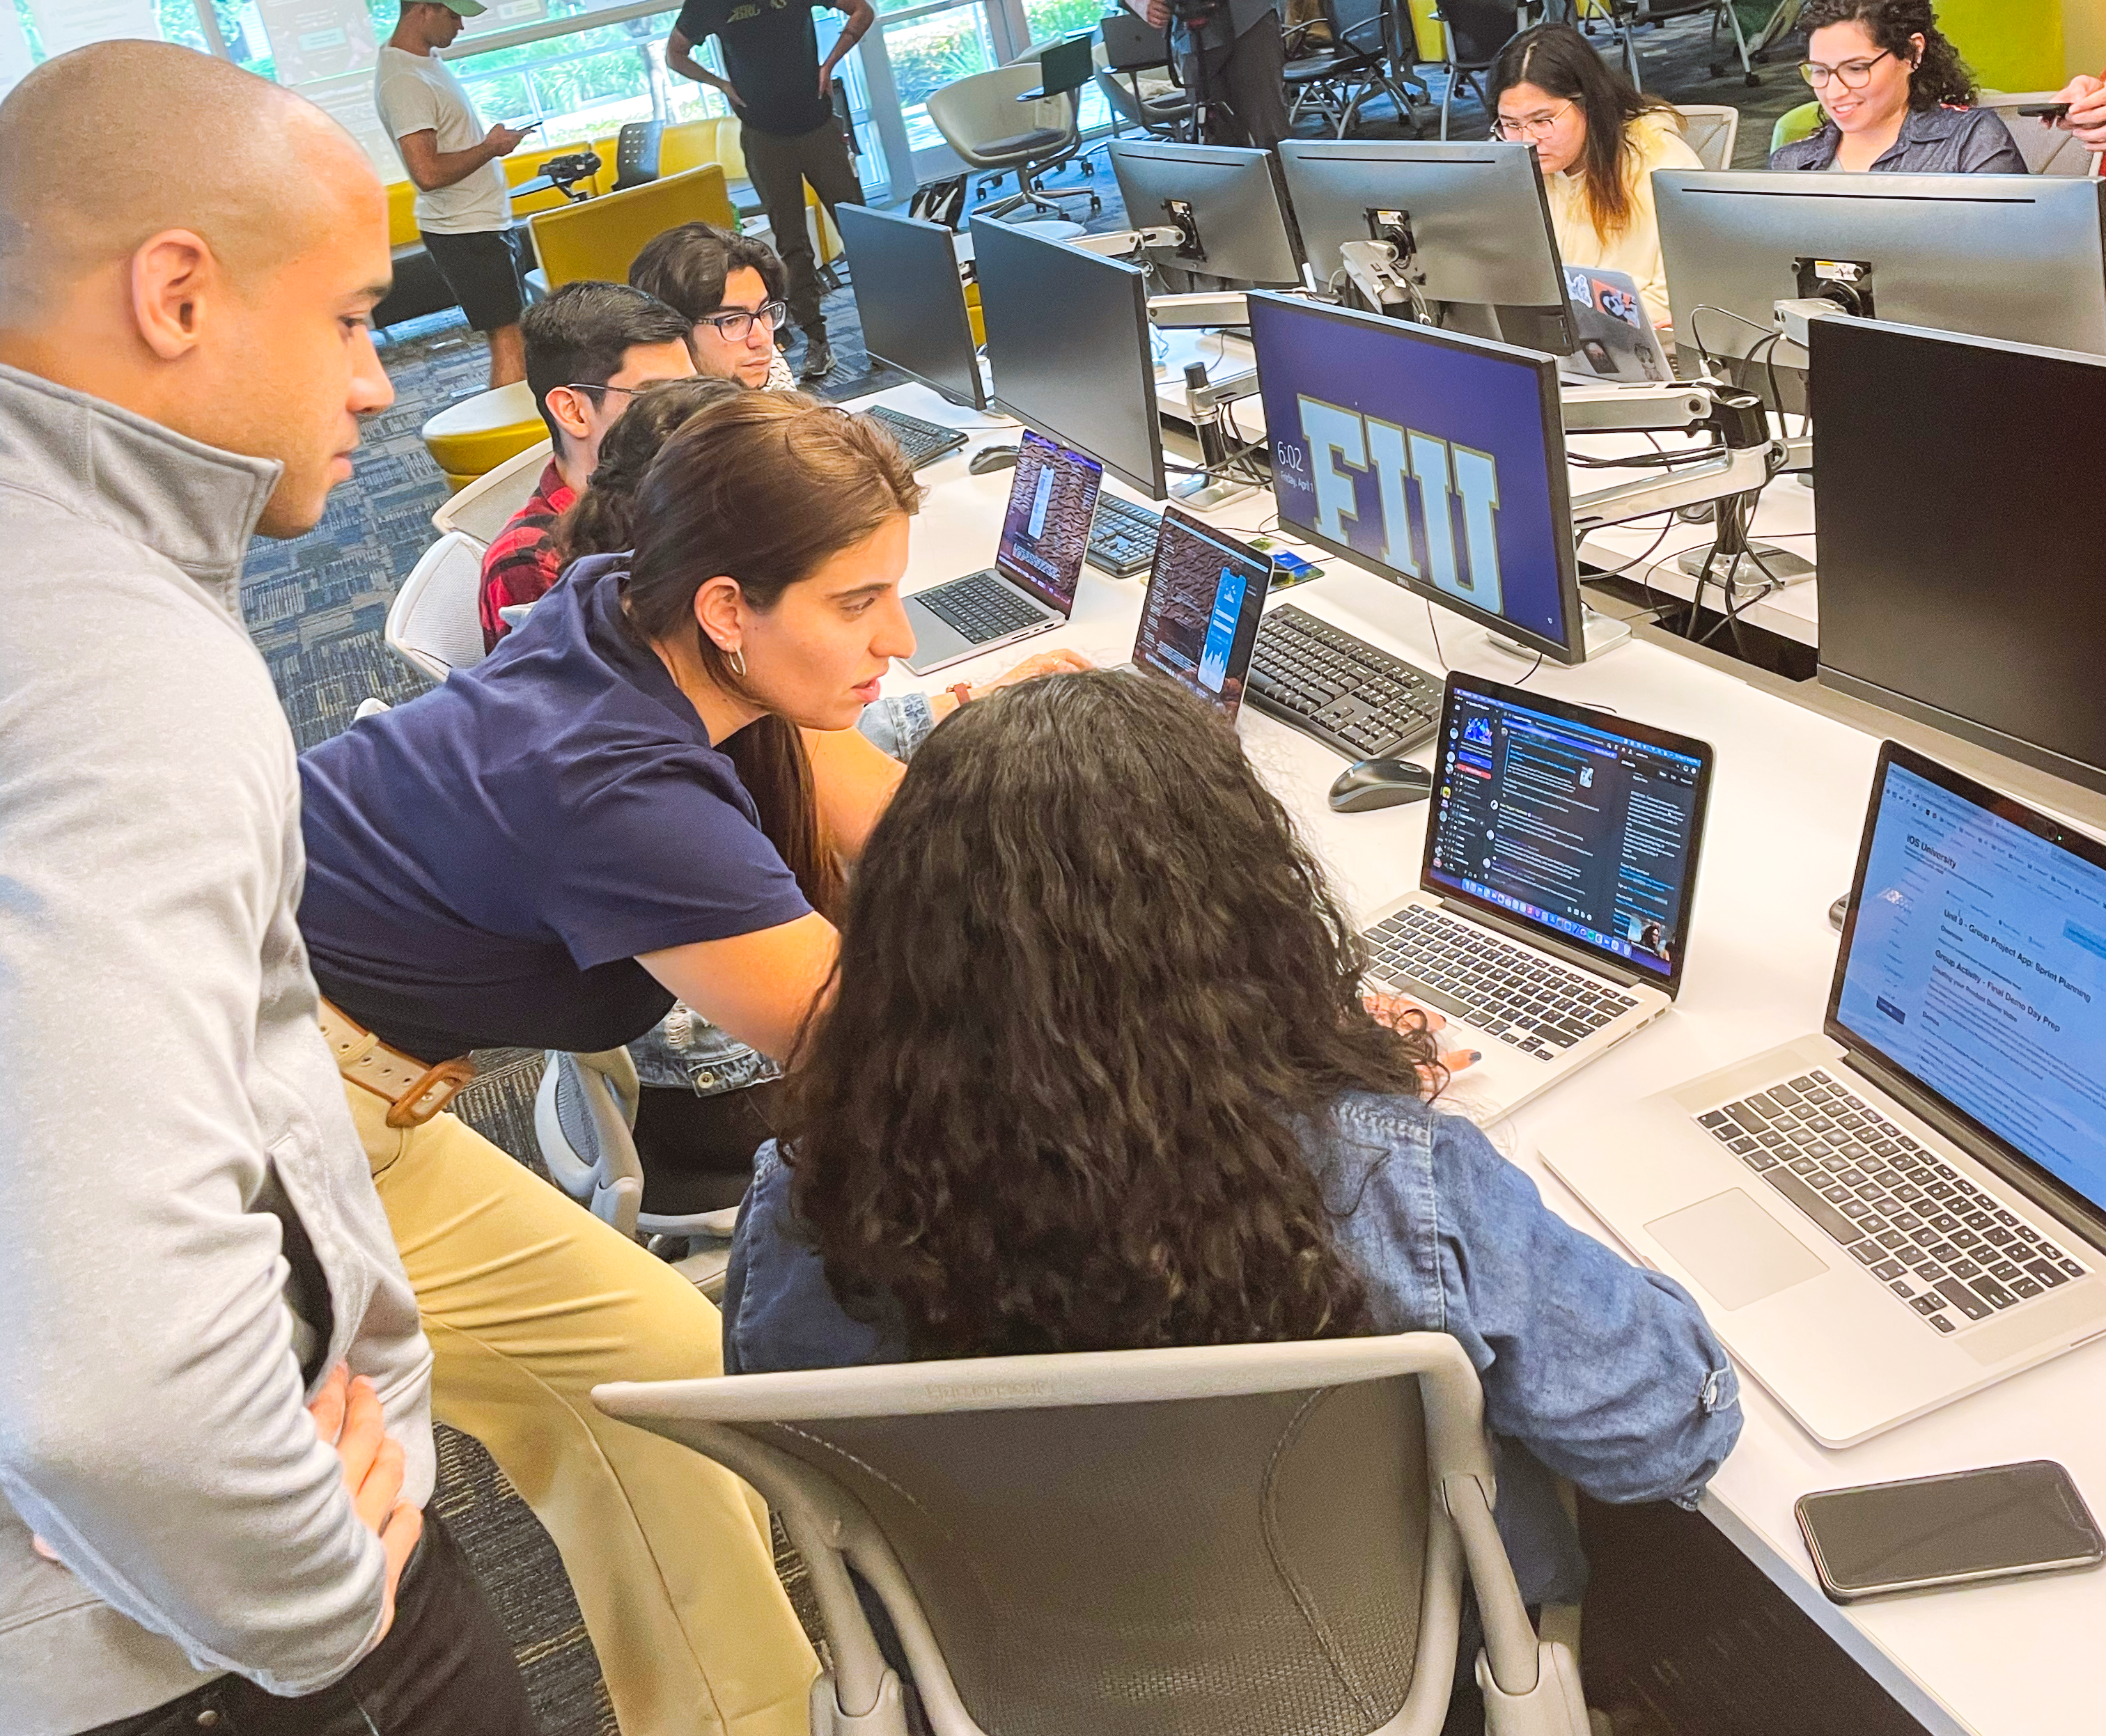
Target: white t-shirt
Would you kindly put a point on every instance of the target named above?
(421, 94)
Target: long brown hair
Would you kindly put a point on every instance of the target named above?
(763, 487)
(602, 519)
(1558, 61)
(1092, 997)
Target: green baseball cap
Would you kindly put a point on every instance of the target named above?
(465, 8)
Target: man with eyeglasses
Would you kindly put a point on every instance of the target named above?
(589, 348)
(731, 288)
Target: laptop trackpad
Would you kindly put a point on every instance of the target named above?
(1734, 1249)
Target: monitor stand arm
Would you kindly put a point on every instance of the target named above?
(1750, 457)
(1121, 242)
(1372, 267)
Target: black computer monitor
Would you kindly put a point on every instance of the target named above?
(2016, 257)
(1956, 510)
(1068, 336)
(1435, 459)
(1223, 197)
(911, 300)
(1470, 223)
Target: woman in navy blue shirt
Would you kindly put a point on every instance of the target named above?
(1096, 1075)
(649, 789)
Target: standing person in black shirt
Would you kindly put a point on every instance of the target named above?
(782, 94)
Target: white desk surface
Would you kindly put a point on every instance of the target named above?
(1791, 787)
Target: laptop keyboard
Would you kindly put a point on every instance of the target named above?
(920, 440)
(1357, 700)
(1534, 1004)
(1948, 1250)
(1122, 539)
(981, 607)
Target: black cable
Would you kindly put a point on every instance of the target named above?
(1664, 460)
(1439, 655)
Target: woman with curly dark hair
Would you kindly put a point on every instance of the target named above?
(1095, 1074)
(1896, 96)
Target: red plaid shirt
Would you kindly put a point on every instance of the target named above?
(521, 566)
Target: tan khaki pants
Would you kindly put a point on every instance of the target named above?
(530, 1301)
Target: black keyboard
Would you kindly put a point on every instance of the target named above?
(1532, 1003)
(1951, 1252)
(1122, 539)
(921, 441)
(981, 607)
(1356, 700)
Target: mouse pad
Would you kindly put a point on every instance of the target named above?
(1737, 1251)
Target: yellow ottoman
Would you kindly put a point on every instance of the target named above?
(479, 433)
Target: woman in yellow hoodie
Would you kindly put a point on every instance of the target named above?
(1597, 139)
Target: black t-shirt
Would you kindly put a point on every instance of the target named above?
(771, 55)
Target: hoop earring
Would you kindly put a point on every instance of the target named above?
(738, 660)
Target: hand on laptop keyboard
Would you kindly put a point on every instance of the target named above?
(1409, 1017)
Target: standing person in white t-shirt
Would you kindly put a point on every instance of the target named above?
(464, 202)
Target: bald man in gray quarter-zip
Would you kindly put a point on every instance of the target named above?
(197, 1515)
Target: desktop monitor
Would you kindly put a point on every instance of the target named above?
(911, 300)
(1470, 223)
(2016, 257)
(1223, 196)
(1434, 459)
(1961, 565)
(1068, 335)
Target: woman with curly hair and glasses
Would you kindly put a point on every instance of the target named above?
(1597, 139)
(1094, 1072)
(1897, 97)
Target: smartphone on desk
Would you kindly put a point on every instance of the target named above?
(1880, 1539)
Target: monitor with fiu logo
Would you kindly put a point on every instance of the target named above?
(1435, 459)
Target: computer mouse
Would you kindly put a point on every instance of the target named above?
(1379, 783)
(991, 458)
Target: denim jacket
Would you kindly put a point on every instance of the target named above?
(1594, 1369)
(684, 1051)
(1932, 141)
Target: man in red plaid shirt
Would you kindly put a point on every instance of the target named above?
(589, 348)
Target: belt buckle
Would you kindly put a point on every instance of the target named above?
(430, 1093)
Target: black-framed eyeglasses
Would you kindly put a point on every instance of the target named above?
(627, 392)
(1853, 75)
(735, 325)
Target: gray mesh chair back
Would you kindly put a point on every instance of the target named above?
(1360, 63)
(1475, 31)
(585, 1112)
(1262, 1540)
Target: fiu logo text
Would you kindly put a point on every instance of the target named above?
(1458, 552)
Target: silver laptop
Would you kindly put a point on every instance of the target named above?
(1199, 619)
(1907, 1207)
(1037, 564)
(1561, 845)
(1616, 335)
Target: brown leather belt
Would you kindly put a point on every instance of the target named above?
(414, 1093)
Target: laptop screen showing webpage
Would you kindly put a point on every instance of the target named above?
(1975, 965)
(1578, 823)
(1200, 617)
(1046, 531)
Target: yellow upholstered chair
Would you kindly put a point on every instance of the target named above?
(402, 230)
(601, 237)
(479, 433)
(1795, 124)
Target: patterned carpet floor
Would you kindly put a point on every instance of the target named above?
(316, 606)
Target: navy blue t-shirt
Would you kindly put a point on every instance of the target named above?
(485, 863)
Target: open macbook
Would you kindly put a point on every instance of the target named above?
(1037, 564)
(1615, 338)
(1206, 592)
(1912, 1203)
(1561, 844)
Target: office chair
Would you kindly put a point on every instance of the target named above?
(433, 624)
(978, 117)
(1795, 124)
(485, 507)
(2047, 149)
(1247, 1540)
(636, 154)
(1475, 31)
(1624, 17)
(1336, 80)
(1711, 130)
(1127, 48)
(585, 1113)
